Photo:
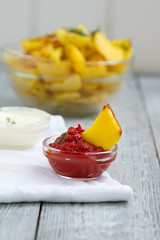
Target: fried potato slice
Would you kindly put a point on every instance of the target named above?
(83, 29)
(73, 54)
(20, 64)
(126, 45)
(38, 93)
(30, 88)
(32, 43)
(88, 51)
(105, 131)
(69, 84)
(47, 51)
(56, 54)
(69, 96)
(106, 48)
(44, 51)
(65, 37)
(96, 57)
(54, 69)
(119, 68)
(23, 83)
(94, 71)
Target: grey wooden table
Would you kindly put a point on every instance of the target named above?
(138, 110)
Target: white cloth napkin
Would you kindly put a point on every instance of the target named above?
(26, 176)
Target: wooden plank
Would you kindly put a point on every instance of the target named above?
(137, 165)
(18, 221)
(83, 221)
(151, 93)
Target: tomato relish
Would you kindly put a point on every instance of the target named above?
(76, 158)
(72, 141)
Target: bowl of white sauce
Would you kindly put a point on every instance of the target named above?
(22, 127)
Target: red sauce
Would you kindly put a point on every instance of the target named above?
(75, 158)
(72, 141)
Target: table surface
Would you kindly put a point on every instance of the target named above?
(137, 108)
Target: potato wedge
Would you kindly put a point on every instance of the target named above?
(91, 72)
(23, 84)
(21, 64)
(69, 84)
(119, 68)
(73, 54)
(53, 69)
(69, 96)
(126, 45)
(65, 37)
(44, 51)
(95, 56)
(32, 43)
(106, 48)
(112, 87)
(56, 54)
(83, 29)
(38, 93)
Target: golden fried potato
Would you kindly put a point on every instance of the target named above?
(106, 48)
(96, 97)
(126, 45)
(31, 88)
(23, 83)
(53, 69)
(112, 87)
(91, 86)
(53, 39)
(47, 51)
(64, 101)
(65, 37)
(94, 71)
(44, 51)
(75, 56)
(69, 68)
(38, 93)
(88, 51)
(56, 54)
(68, 84)
(95, 56)
(32, 43)
(118, 68)
(69, 96)
(82, 28)
(20, 64)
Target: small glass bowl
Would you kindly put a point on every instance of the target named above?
(24, 131)
(56, 87)
(79, 166)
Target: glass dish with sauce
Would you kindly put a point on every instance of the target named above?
(75, 158)
(22, 127)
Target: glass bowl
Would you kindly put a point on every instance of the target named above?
(56, 87)
(22, 127)
(74, 165)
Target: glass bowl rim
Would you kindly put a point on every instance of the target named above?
(5, 49)
(112, 150)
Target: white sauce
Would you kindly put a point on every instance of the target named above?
(20, 118)
(22, 127)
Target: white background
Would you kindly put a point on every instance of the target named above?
(138, 20)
